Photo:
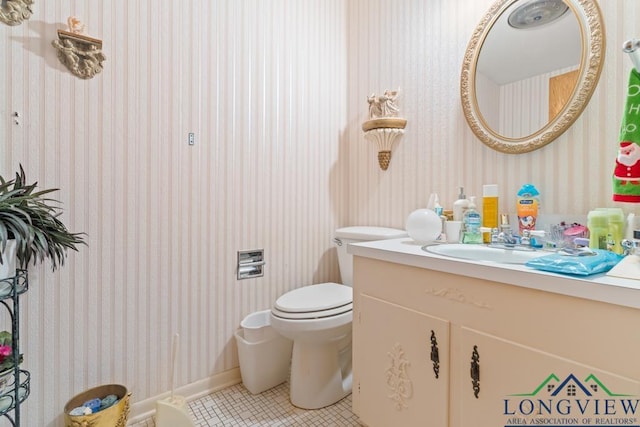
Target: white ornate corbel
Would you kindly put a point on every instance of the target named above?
(14, 12)
(81, 54)
(384, 128)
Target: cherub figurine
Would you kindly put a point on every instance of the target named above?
(383, 105)
(75, 25)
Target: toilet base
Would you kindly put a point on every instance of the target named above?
(321, 374)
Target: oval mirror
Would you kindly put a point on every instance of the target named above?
(530, 69)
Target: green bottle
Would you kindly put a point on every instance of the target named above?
(472, 223)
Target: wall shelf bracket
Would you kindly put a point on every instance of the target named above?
(15, 12)
(384, 133)
(384, 128)
(81, 54)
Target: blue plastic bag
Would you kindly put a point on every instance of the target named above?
(582, 262)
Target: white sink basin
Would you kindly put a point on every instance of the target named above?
(484, 253)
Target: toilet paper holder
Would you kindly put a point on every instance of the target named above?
(250, 264)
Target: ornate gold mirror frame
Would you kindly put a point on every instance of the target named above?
(593, 49)
(14, 12)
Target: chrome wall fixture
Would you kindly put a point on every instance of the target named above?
(14, 12)
(536, 13)
(250, 264)
(632, 47)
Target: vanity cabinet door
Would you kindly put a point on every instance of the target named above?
(401, 370)
(520, 385)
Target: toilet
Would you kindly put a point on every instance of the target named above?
(317, 318)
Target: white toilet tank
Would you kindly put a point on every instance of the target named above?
(346, 235)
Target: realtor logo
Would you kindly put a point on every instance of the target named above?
(571, 402)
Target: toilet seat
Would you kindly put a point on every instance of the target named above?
(313, 314)
(314, 301)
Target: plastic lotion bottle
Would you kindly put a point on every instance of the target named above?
(598, 225)
(630, 227)
(615, 229)
(527, 207)
(489, 209)
(471, 233)
(460, 206)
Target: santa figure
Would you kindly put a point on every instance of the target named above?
(628, 164)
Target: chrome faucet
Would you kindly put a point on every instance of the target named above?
(506, 236)
(525, 240)
(630, 246)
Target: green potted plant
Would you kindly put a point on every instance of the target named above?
(30, 227)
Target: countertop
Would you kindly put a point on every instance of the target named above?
(598, 287)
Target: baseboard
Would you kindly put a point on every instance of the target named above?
(147, 408)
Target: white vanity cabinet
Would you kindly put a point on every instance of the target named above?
(537, 354)
(398, 353)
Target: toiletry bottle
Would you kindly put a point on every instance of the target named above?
(431, 204)
(460, 205)
(489, 209)
(598, 229)
(633, 227)
(615, 229)
(527, 207)
(437, 208)
(471, 233)
(630, 226)
(606, 229)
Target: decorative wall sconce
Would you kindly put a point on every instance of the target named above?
(81, 54)
(14, 12)
(384, 128)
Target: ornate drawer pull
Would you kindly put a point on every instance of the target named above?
(475, 371)
(435, 355)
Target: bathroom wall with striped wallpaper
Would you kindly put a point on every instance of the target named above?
(419, 47)
(262, 85)
(275, 92)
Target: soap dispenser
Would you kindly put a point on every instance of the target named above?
(460, 206)
(472, 223)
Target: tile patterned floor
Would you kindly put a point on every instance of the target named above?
(236, 407)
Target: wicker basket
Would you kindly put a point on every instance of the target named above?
(114, 416)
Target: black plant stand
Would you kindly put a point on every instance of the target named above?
(18, 387)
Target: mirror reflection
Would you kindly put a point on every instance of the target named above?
(528, 66)
(525, 82)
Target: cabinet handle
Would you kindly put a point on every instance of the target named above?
(475, 371)
(435, 355)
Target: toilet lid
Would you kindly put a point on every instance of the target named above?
(314, 298)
